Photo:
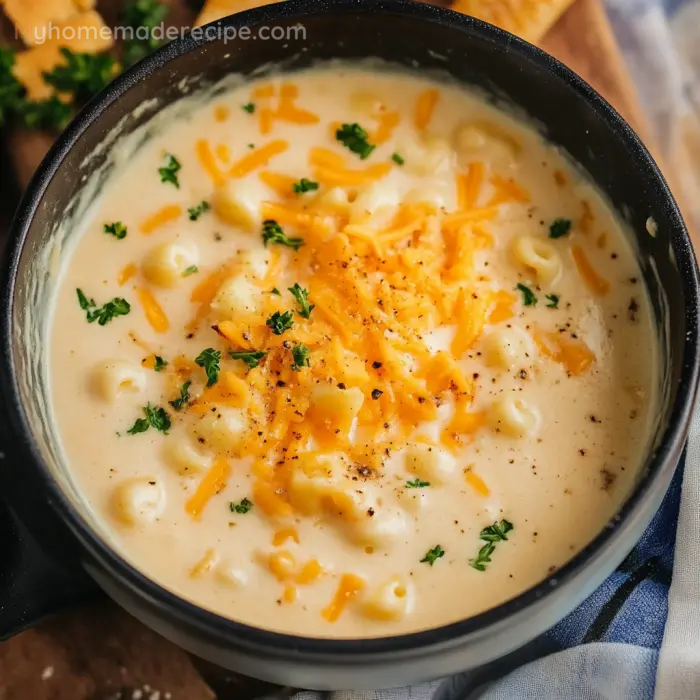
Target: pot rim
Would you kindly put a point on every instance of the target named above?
(235, 633)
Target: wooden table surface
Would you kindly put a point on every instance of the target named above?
(101, 653)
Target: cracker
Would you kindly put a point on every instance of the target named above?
(216, 9)
(528, 19)
(91, 35)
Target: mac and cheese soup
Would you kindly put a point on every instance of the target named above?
(351, 354)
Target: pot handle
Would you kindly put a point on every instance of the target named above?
(34, 584)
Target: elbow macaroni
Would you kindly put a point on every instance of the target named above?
(164, 264)
(514, 417)
(235, 298)
(223, 429)
(182, 455)
(114, 377)
(427, 156)
(431, 463)
(390, 601)
(139, 501)
(508, 348)
(237, 203)
(538, 256)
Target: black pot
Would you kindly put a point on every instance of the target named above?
(571, 114)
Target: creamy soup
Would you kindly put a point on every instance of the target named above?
(351, 354)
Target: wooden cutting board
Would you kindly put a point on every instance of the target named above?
(99, 652)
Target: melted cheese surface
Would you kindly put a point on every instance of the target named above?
(355, 386)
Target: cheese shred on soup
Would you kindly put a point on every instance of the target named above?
(351, 354)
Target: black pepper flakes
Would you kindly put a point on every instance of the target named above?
(376, 393)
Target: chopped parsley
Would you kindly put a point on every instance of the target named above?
(273, 233)
(300, 353)
(417, 484)
(559, 228)
(276, 291)
(304, 185)
(251, 358)
(184, 398)
(156, 417)
(196, 212)
(11, 90)
(191, 270)
(245, 506)
(302, 297)
(250, 108)
(279, 323)
(529, 298)
(142, 13)
(433, 555)
(82, 75)
(49, 114)
(168, 173)
(492, 535)
(159, 364)
(117, 229)
(397, 159)
(209, 360)
(102, 314)
(354, 137)
(553, 300)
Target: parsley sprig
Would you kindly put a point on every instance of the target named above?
(168, 172)
(492, 535)
(273, 233)
(354, 138)
(250, 357)
(179, 403)
(417, 484)
(102, 314)
(302, 297)
(137, 14)
(300, 354)
(245, 506)
(116, 229)
(553, 300)
(432, 555)
(156, 417)
(196, 211)
(529, 297)
(82, 75)
(159, 364)
(209, 360)
(278, 323)
(304, 185)
(559, 228)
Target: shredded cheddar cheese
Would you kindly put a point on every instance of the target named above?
(162, 217)
(348, 589)
(213, 482)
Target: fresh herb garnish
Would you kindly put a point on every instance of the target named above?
(300, 353)
(184, 398)
(273, 233)
(553, 301)
(279, 323)
(11, 90)
(191, 270)
(491, 535)
(102, 314)
(397, 159)
(209, 360)
(137, 14)
(52, 114)
(250, 108)
(529, 298)
(245, 506)
(302, 297)
(156, 417)
(417, 484)
(251, 358)
(433, 555)
(354, 137)
(159, 364)
(82, 75)
(276, 291)
(117, 229)
(304, 185)
(559, 228)
(168, 173)
(196, 212)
